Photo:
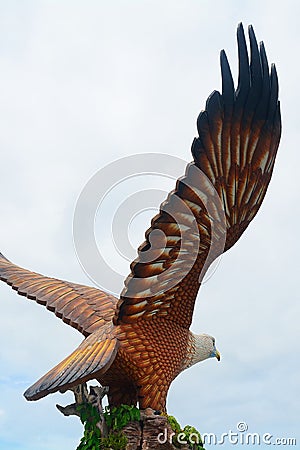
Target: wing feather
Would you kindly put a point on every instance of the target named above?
(220, 194)
(84, 308)
(92, 358)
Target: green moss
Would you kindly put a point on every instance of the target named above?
(193, 437)
(117, 441)
(188, 434)
(174, 424)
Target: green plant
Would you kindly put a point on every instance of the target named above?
(188, 434)
(193, 437)
(174, 424)
(89, 416)
(115, 441)
(118, 416)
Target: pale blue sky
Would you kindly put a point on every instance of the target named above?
(84, 83)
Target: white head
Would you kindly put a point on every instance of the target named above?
(202, 347)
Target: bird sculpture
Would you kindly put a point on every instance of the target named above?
(138, 344)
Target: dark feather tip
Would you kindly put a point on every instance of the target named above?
(264, 60)
(274, 82)
(256, 70)
(240, 27)
(213, 104)
(244, 72)
(227, 80)
(273, 94)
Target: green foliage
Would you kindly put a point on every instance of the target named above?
(174, 424)
(117, 417)
(188, 434)
(89, 416)
(193, 437)
(117, 441)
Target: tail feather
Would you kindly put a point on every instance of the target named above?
(93, 357)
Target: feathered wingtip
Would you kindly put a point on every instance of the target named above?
(251, 74)
(93, 356)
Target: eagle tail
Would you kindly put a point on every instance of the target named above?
(91, 359)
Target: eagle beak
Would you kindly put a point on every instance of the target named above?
(217, 355)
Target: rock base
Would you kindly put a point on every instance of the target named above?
(151, 433)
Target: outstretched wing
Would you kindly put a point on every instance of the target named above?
(215, 201)
(92, 358)
(84, 308)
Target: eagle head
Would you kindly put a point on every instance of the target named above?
(201, 347)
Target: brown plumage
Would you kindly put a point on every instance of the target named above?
(139, 343)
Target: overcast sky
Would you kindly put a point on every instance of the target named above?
(85, 83)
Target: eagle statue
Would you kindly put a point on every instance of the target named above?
(137, 344)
